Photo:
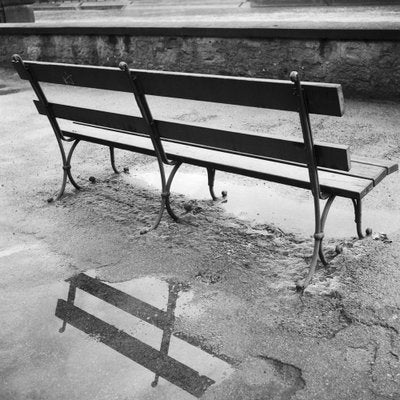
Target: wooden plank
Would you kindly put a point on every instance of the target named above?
(248, 143)
(278, 147)
(322, 98)
(161, 364)
(293, 175)
(123, 301)
(122, 122)
(360, 170)
(388, 164)
(326, 99)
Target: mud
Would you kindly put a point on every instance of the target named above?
(240, 308)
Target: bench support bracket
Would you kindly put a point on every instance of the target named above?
(67, 167)
(323, 221)
(314, 181)
(66, 160)
(318, 247)
(140, 97)
(165, 200)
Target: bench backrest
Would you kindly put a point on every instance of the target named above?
(321, 98)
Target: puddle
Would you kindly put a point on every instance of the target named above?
(261, 203)
(103, 341)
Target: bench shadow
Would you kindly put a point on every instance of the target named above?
(156, 361)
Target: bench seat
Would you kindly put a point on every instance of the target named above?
(363, 176)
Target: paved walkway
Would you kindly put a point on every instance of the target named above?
(233, 13)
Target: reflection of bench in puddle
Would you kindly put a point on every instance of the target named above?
(156, 361)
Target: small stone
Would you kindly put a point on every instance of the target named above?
(50, 199)
(224, 193)
(92, 179)
(126, 170)
(339, 249)
(188, 207)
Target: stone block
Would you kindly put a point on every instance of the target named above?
(16, 2)
(20, 13)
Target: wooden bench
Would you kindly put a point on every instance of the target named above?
(325, 169)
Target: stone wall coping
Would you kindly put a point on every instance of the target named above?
(332, 31)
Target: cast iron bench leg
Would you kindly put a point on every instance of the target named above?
(112, 157)
(318, 238)
(357, 220)
(67, 170)
(211, 178)
(165, 200)
(167, 192)
(323, 220)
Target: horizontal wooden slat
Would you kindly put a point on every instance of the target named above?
(123, 122)
(161, 364)
(335, 183)
(328, 155)
(360, 170)
(322, 98)
(389, 165)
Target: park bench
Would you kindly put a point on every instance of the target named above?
(327, 170)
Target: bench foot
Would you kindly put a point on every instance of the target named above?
(358, 218)
(62, 189)
(302, 284)
(158, 219)
(112, 158)
(211, 178)
(155, 382)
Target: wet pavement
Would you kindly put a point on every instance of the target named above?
(92, 339)
(207, 309)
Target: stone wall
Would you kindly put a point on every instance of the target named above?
(365, 68)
